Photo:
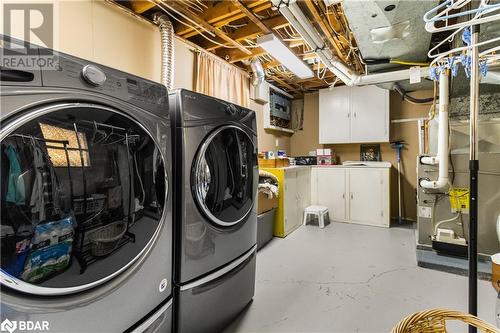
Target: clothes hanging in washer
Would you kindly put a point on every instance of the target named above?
(38, 199)
(125, 171)
(15, 187)
(46, 193)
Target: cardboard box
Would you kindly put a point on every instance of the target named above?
(324, 160)
(282, 162)
(264, 163)
(274, 163)
(264, 204)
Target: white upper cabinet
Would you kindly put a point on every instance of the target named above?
(334, 115)
(369, 114)
(353, 114)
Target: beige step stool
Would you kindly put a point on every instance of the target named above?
(321, 212)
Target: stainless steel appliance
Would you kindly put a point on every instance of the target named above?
(215, 230)
(86, 207)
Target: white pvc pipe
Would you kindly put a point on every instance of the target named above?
(443, 137)
(393, 76)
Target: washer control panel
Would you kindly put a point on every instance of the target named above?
(77, 73)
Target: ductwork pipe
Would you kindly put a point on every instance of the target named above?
(292, 12)
(443, 138)
(258, 72)
(167, 49)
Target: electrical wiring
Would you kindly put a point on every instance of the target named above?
(408, 63)
(198, 31)
(432, 110)
(195, 7)
(410, 99)
(320, 73)
(280, 34)
(202, 4)
(292, 33)
(332, 85)
(250, 43)
(445, 221)
(395, 61)
(167, 8)
(236, 26)
(260, 17)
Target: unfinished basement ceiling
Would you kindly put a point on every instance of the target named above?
(389, 29)
(229, 29)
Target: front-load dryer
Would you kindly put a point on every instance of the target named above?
(85, 198)
(215, 182)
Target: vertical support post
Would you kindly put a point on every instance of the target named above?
(473, 172)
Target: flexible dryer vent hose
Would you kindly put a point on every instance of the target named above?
(259, 74)
(167, 49)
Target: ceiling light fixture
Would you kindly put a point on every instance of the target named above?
(285, 56)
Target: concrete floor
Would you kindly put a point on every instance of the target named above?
(349, 278)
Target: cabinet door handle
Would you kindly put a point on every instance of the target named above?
(352, 197)
(348, 115)
(354, 114)
(343, 195)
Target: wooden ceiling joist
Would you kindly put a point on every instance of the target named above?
(140, 6)
(251, 16)
(249, 31)
(325, 29)
(222, 23)
(224, 12)
(235, 55)
(229, 41)
(271, 64)
(221, 34)
(284, 84)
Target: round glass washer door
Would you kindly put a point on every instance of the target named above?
(223, 176)
(82, 197)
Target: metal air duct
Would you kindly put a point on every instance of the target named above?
(167, 49)
(258, 72)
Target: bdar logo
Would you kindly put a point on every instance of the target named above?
(8, 326)
(24, 326)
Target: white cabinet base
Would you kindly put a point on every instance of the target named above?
(358, 195)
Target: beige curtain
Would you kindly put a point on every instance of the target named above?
(216, 78)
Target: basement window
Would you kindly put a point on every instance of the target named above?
(56, 150)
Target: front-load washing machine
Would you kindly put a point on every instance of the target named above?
(215, 182)
(85, 197)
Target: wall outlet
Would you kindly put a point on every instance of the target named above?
(277, 142)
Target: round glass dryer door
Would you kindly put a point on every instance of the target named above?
(224, 176)
(83, 189)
